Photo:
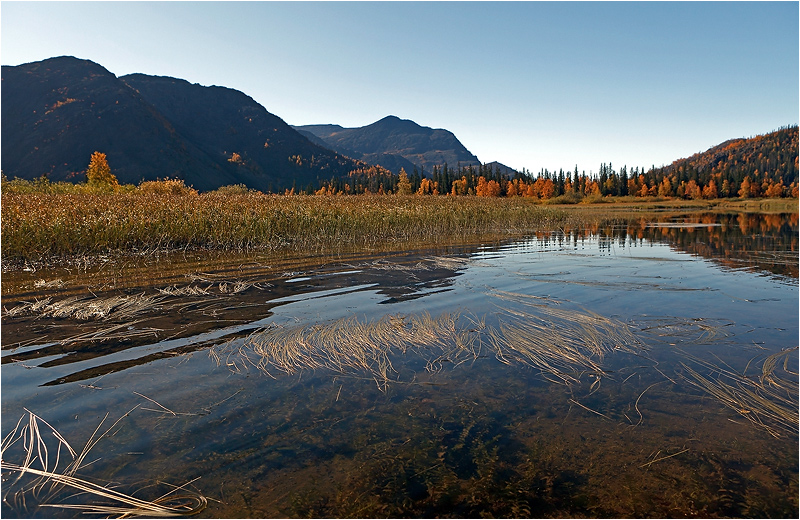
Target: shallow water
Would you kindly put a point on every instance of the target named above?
(648, 370)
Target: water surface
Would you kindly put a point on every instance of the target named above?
(645, 370)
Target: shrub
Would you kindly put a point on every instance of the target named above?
(234, 189)
(166, 187)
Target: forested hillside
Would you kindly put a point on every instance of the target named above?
(765, 164)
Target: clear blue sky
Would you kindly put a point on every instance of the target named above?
(534, 85)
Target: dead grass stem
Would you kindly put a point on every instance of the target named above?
(39, 479)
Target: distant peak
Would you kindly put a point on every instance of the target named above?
(67, 61)
(395, 122)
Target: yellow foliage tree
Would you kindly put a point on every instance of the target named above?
(98, 174)
(403, 184)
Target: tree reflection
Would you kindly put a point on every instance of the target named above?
(763, 242)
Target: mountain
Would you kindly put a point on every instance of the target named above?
(394, 143)
(502, 168)
(58, 111)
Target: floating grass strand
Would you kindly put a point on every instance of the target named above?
(771, 406)
(556, 340)
(47, 478)
(349, 345)
(87, 308)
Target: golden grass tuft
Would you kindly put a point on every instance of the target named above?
(88, 308)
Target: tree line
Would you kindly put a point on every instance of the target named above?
(761, 166)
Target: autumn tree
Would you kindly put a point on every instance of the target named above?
(460, 187)
(774, 190)
(403, 184)
(98, 174)
(665, 188)
(710, 190)
(744, 189)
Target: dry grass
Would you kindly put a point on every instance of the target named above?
(41, 226)
(351, 346)
(560, 342)
(40, 477)
(87, 308)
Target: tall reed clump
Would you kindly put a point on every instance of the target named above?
(43, 225)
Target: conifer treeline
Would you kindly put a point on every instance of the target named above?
(761, 166)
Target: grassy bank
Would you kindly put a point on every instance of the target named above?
(48, 226)
(39, 227)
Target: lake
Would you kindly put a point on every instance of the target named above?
(644, 369)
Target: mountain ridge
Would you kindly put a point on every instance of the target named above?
(56, 112)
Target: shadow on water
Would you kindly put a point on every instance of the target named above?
(644, 370)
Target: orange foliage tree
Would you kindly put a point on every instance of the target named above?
(98, 174)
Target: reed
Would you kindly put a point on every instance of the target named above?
(42, 226)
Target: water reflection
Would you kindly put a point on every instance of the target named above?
(185, 313)
(760, 242)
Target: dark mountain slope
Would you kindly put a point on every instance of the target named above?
(58, 111)
(392, 136)
(313, 138)
(390, 161)
(223, 122)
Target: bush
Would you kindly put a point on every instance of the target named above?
(234, 189)
(166, 187)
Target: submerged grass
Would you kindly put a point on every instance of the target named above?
(562, 344)
(768, 401)
(43, 226)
